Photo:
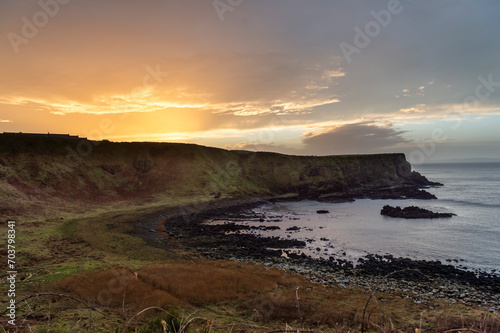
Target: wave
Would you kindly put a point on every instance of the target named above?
(471, 203)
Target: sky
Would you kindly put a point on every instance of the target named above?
(315, 77)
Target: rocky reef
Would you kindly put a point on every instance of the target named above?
(412, 212)
(426, 279)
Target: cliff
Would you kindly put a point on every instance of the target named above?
(37, 170)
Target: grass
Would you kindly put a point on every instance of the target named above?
(205, 282)
(85, 247)
(94, 258)
(257, 298)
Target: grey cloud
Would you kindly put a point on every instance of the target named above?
(353, 139)
(263, 55)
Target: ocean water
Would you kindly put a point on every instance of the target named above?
(351, 230)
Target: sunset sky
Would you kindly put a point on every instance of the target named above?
(312, 77)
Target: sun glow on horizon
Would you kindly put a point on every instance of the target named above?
(257, 79)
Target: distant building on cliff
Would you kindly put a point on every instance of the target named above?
(45, 135)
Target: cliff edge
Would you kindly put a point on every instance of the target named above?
(35, 171)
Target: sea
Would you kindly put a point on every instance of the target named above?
(469, 240)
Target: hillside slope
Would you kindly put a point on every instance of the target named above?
(36, 172)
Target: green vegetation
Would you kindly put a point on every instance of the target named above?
(83, 267)
(74, 176)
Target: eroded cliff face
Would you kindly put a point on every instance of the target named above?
(44, 169)
(337, 178)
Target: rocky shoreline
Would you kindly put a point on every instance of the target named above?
(421, 280)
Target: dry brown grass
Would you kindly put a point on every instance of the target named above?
(481, 322)
(203, 283)
(117, 288)
(267, 296)
(177, 283)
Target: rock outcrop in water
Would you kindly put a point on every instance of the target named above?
(412, 212)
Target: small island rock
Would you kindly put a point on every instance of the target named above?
(412, 212)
